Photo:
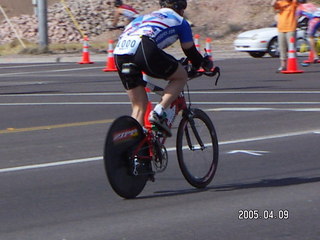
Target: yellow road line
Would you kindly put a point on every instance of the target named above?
(77, 124)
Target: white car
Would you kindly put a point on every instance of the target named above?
(258, 42)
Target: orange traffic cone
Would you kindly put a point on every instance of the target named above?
(85, 52)
(147, 123)
(110, 65)
(292, 64)
(208, 47)
(208, 51)
(197, 42)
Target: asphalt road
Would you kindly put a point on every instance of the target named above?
(53, 121)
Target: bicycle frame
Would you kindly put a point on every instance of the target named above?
(155, 140)
(154, 137)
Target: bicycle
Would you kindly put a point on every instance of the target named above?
(133, 154)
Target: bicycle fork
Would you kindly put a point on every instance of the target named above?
(190, 119)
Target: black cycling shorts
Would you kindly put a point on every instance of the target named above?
(149, 59)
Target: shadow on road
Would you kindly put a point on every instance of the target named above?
(264, 183)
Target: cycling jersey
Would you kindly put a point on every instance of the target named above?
(307, 10)
(313, 14)
(164, 27)
(129, 12)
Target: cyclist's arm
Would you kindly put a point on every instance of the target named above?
(187, 44)
(192, 53)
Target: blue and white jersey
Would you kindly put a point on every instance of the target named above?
(164, 26)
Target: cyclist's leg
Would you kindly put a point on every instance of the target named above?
(157, 63)
(314, 25)
(313, 46)
(134, 85)
(176, 83)
(139, 101)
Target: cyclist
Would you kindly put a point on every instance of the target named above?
(310, 11)
(125, 10)
(142, 44)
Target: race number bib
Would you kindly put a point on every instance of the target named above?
(127, 45)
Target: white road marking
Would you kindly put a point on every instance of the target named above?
(53, 164)
(65, 94)
(76, 161)
(198, 103)
(31, 66)
(249, 152)
(64, 103)
(48, 71)
(191, 92)
(239, 109)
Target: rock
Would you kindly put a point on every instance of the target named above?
(95, 16)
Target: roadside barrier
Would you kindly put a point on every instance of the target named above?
(85, 52)
(110, 64)
(292, 63)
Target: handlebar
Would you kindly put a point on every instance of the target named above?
(193, 73)
(197, 73)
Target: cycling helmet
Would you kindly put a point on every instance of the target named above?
(117, 3)
(174, 4)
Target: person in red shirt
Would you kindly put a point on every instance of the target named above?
(125, 10)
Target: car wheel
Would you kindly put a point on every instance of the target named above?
(273, 47)
(257, 54)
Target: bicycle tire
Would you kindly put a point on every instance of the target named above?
(123, 136)
(197, 165)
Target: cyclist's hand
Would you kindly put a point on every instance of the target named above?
(207, 64)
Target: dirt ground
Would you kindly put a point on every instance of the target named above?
(18, 7)
(218, 19)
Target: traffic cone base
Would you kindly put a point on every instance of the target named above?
(110, 65)
(85, 53)
(292, 71)
(85, 61)
(292, 64)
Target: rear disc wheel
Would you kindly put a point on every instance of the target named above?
(122, 139)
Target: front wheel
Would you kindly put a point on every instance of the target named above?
(197, 148)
